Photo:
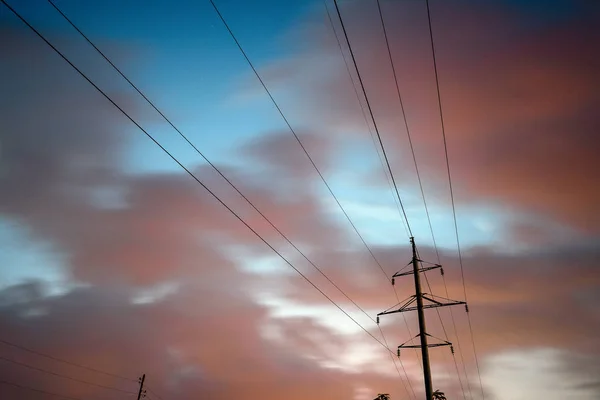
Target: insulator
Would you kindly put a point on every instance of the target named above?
(398, 353)
(393, 281)
(452, 349)
(466, 307)
(377, 320)
(442, 271)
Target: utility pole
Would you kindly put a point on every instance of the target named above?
(422, 327)
(418, 298)
(142, 392)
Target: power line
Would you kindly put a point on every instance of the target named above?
(247, 58)
(198, 151)
(371, 113)
(460, 351)
(154, 393)
(206, 159)
(294, 133)
(364, 115)
(37, 390)
(213, 166)
(378, 154)
(396, 366)
(63, 376)
(437, 85)
(412, 149)
(56, 358)
(191, 174)
(447, 339)
(381, 144)
(375, 145)
(221, 17)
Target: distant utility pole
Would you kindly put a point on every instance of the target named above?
(418, 297)
(142, 391)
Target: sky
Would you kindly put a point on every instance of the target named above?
(112, 257)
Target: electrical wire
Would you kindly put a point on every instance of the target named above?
(208, 160)
(447, 339)
(437, 84)
(377, 151)
(403, 111)
(218, 171)
(405, 119)
(295, 134)
(63, 376)
(371, 113)
(37, 390)
(60, 359)
(364, 115)
(247, 58)
(191, 174)
(383, 151)
(396, 366)
(153, 393)
(211, 164)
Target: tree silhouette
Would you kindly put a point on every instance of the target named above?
(382, 396)
(437, 395)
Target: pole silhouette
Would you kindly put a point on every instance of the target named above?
(409, 305)
(422, 326)
(142, 392)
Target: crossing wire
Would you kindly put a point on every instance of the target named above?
(16, 346)
(387, 161)
(437, 85)
(63, 376)
(447, 339)
(247, 58)
(153, 392)
(207, 160)
(279, 110)
(238, 44)
(396, 366)
(191, 174)
(3, 382)
(382, 148)
(364, 115)
(412, 149)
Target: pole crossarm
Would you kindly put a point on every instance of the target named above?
(418, 346)
(423, 269)
(441, 343)
(434, 303)
(402, 308)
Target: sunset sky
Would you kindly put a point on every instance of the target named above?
(112, 257)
